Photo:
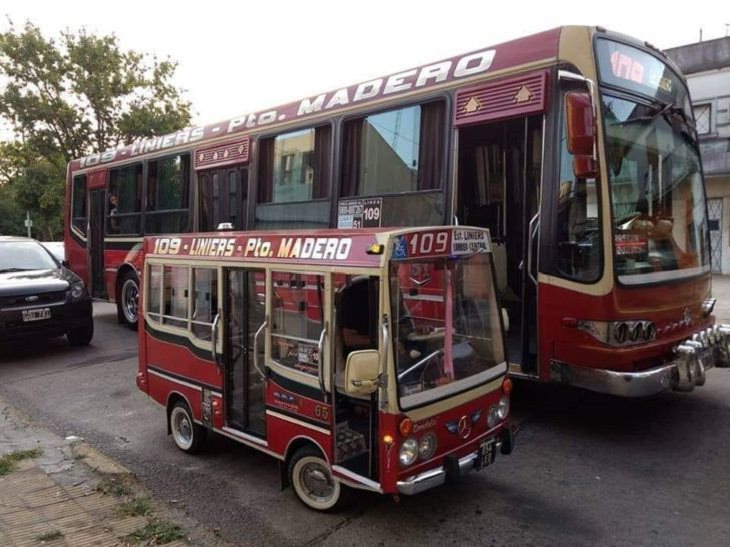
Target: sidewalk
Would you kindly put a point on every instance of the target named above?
(56, 491)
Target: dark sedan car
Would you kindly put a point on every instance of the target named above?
(39, 297)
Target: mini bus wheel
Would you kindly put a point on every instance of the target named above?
(188, 436)
(128, 298)
(312, 480)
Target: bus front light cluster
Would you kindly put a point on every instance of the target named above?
(498, 412)
(620, 333)
(413, 449)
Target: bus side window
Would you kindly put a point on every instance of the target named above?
(78, 203)
(167, 195)
(297, 320)
(205, 301)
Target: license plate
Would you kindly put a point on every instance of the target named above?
(485, 454)
(37, 314)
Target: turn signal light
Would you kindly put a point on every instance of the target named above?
(375, 249)
(405, 427)
(507, 386)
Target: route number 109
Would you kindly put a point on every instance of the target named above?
(425, 243)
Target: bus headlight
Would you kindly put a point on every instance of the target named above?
(427, 447)
(77, 290)
(408, 452)
(492, 417)
(503, 408)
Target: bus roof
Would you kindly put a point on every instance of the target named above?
(426, 78)
(365, 247)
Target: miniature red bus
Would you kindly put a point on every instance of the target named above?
(315, 348)
(576, 147)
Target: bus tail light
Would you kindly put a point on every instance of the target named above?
(507, 386)
(620, 333)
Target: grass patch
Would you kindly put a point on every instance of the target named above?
(140, 507)
(50, 536)
(111, 487)
(157, 532)
(9, 462)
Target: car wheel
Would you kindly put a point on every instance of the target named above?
(128, 298)
(188, 436)
(81, 336)
(312, 480)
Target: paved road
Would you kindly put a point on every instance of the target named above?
(588, 469)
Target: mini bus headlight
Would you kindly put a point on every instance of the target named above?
(77, 290)
(408, 452)
(492, 416)
(427, 447)
(503, 408)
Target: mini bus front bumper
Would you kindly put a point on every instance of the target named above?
(692, 358)
(453, 468)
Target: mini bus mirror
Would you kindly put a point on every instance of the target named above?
(361, 372)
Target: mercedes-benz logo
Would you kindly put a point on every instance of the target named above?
(464, 427)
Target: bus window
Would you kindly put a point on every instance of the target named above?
(205, 301)
(297, 320)
(175, 299)
(167, 195)
(124, 200)
(78, 201)
(294, 180)
(223, 195)
(154, 289)
(398, 154)
(578, 226)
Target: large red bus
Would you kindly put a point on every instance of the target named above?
(576, 147)
(301, 345)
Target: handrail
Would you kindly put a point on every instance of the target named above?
(320, 353)
(419, 363)
(532, 231)
(261, 371)
(214, 336)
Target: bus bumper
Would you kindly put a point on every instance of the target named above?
(452, 470)
(692, 358)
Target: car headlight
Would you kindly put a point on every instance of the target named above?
(427, 447)
(503, 408)
(408, 452)
(492, 416)
(77, 290)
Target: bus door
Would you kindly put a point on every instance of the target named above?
(356, 319)
(222, 197)
(244, 316)
(499, 172)
(97, 211)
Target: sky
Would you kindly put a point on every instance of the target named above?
(240, 57)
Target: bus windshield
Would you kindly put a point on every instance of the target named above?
(657, 193)
(447, 331)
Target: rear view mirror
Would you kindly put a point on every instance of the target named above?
(581, 127)
(362, 372)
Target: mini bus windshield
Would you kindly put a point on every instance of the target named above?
(447, 330)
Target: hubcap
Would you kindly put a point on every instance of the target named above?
(317, 482)
(182, 429)
(130, 293)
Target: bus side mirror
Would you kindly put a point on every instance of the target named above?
(361, 372)
(581, 126)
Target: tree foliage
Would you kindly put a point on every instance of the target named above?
(71, 96)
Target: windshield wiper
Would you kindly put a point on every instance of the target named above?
(8, 270)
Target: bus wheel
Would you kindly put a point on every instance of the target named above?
(188, 436)
(311, 478)
(128, 297)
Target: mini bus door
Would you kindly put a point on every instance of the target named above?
(499, 172)
(244, 314)
(97, 202)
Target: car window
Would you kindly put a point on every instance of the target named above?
(24, 255)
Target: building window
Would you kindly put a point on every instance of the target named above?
(703, 118)
(297, 320)
(167, 195)
(125, 198)
(78, 210)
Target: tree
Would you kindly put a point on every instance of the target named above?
(70, 97)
